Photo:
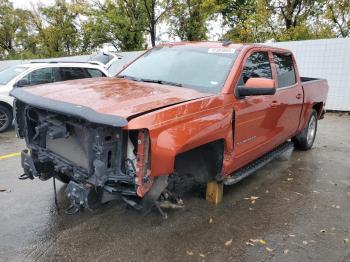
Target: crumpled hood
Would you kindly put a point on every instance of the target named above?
(114, 96)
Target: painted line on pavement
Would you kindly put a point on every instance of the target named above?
(10, 155)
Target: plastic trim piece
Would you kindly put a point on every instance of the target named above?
(68, 108)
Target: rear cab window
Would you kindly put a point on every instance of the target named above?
(257, 66)
(285, 70)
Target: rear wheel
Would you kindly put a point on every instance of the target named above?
(5, 118)
(305, 139)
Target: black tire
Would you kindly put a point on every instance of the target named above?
(305, 139)
(6, 118)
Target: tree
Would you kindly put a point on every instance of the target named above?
(155, 11)
(248, 20)
(282, 20)
(120, 22)
(57, 28)
(338, 12)
(189, 19)
(16, 37)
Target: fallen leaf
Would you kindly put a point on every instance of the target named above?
(346, 240)
(228, 242)
(210, 220)
(251, 198)
(269, 249)
(253, 202)
(254, 240)
(201, 255)
(249, 244)
(289, 178)
(262, 242)
(286, 251)
(190, 253)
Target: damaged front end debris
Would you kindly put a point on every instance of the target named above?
(99, 162)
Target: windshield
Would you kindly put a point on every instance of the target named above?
(199, 68)
(10, 73)
(103, 58)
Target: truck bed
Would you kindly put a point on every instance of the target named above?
(315, 89)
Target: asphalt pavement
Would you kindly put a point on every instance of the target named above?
(293, 209)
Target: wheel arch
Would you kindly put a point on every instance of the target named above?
(319, 109)
(204, 162)
(7, 105)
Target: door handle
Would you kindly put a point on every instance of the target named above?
(274, 104)
(299, 96)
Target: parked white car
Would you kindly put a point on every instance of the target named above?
(39, 73)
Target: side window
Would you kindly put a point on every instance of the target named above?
(285, 70)
(71, 73)
(40, 76)
(93, 72)
(257, 65)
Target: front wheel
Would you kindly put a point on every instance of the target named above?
(305, 139)
(5, 118)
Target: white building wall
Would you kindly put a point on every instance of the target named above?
(326, 58)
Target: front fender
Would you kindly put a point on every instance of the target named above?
(179, 128)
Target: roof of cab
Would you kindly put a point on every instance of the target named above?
(223, 44)
(208, 44)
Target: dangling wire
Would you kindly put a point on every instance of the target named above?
(55, 192)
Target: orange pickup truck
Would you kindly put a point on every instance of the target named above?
(202, 111)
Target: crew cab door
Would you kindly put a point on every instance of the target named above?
(256, 119)
(289, 95)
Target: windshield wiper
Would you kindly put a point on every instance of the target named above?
(161, 82)
(129, 77)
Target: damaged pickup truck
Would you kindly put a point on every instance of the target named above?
(204, 111)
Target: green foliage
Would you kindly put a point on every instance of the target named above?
(189, 19)
(338, 12)
(120, 22)
(60, 36)
(284, 20)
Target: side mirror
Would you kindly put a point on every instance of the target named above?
(22, 83)
(257, 86)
